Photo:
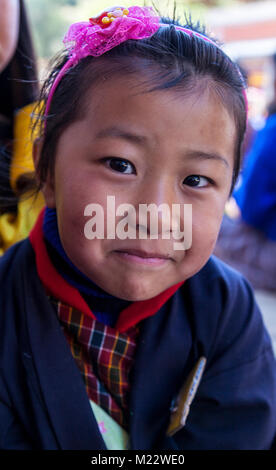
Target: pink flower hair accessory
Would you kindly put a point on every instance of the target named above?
(100, 34)
(109, 29)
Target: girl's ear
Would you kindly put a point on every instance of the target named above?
(48, 187)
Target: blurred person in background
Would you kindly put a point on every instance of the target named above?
(8, 30)
(18, 93)
(247, 240)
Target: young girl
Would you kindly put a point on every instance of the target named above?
(126, 342)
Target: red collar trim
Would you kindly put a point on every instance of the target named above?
(50, 278)
(63, 291)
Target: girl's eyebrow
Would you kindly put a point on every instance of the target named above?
(122, 134)
(137, 139)
(201, 155)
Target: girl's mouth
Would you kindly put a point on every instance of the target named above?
(142, 257)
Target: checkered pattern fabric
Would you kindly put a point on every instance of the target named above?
(104, 357)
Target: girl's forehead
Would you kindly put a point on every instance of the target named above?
(124, 111)
(134, 93)
(132, 97)
(108, 81)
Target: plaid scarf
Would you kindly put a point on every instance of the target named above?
(104, 357)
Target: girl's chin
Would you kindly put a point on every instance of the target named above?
(138, 293)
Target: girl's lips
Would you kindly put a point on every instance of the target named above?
(140, 257)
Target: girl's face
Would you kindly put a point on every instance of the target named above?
(142, 148)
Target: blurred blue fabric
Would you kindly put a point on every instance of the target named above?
(256, 195)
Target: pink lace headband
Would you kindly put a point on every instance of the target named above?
(109, 29)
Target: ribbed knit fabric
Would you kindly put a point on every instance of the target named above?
(105, 307)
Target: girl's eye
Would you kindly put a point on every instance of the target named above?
(196, 181)
(120, 165)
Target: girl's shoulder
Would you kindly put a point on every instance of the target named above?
(15, 266)
(224, 312)
(218, 278)
(14, 256)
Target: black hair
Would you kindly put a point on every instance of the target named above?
(174, 60)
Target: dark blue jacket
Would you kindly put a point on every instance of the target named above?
(43, 402)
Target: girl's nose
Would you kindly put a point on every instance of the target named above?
(160, 191)
(156, 208)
